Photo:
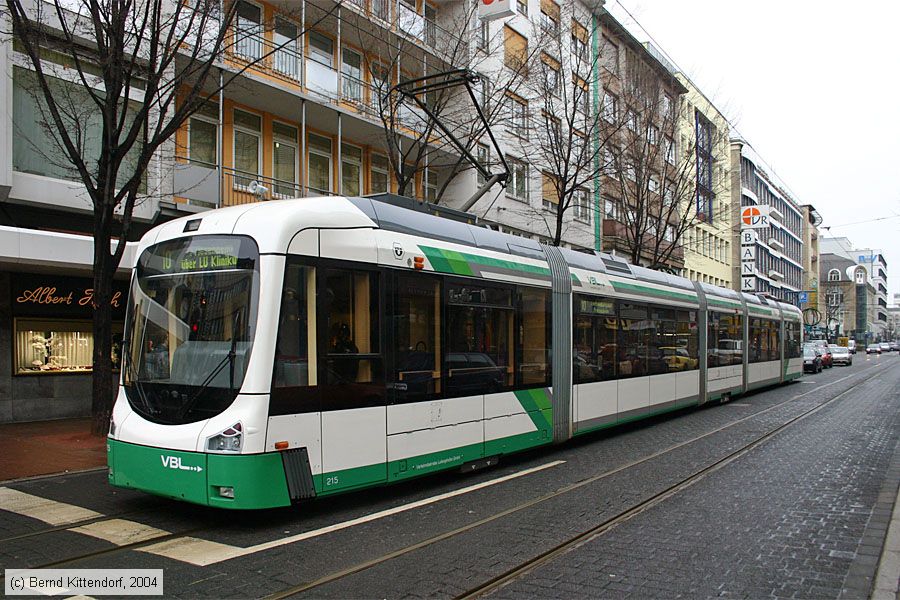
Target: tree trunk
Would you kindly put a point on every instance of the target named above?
(102, 381)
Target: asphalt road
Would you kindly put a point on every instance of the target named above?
(784, 493)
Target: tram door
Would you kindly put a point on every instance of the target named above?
(350, 364)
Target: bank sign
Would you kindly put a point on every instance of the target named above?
(755, 217)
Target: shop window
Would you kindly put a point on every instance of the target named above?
(50, 346)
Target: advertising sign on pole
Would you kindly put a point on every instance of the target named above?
(753, 217)
(489, 10)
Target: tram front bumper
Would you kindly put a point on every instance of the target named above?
(244, 481)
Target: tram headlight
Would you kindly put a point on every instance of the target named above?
(228, 440)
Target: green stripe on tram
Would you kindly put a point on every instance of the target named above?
(621, 286)
(462, 263)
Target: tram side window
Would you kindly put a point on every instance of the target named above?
(687, 336)
(792, 340)
(763, 340)
(725, 340)
(479, 351)
(353, 365)
(774, 340)
(534, 336)
(417, 335)
(663, 352)
(293, 345)
(594, 339)
(633, 340)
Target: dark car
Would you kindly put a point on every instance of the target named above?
(812, 360)
(873, 349)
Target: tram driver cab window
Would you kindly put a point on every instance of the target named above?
(295, 332)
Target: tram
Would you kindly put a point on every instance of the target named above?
(299, 348)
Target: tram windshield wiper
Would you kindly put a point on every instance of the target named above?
(229, 359)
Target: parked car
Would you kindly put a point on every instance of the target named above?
(873, 349)
(827, 360)
(886, 347)
(812, 360)
(840, 355)
(895, 346)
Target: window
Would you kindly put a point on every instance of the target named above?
(351, 75)
(634, 337)
(549, 194)
(632, 121)
(580, 208)
(652, 134)
(725, 339)
(834, 275)
(353, 365)
(551, 74)
(522, 6)
(609, 55)
(379, 178)
(319, 164)
(611, 209)
(203, 136)
(550, 17)
(860, 276)
(483, 155)
(479, 332)
(515, 49)
(669, 149)
(382, 9)
(248, 31)
(581, 97)
(351, 170)
(430, 185)
(704, 132)
(430, 25)
(417, 338)
(667, 107)
(518, 180)
(610, 110)
(594, 339)
(534, 327)
(58, 346)
(286, 59)
(247, 146)
(579, 43)
(518, 117)
(764, 341)
(295, 350)
(284, 159)
(321, 49)
(792, 340)
(482, 39)
(653, 184)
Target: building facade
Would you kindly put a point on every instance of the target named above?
(777, 269)
(849, 299)
(704, 131)
(873, 261)
(810, 259)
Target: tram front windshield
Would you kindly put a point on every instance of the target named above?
(191, 324)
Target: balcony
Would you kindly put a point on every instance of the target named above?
(773, 243)
(411, 22)
(277, 60)
(773, 274)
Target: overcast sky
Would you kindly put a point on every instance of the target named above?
(813, 86)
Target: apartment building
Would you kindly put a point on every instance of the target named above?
(777, 269)
(873, 261)
(640, 108)
(810, 258)
(849, 298)
(704, 132)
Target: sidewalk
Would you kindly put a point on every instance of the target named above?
(46, 447)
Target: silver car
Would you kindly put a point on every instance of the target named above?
(840, 355)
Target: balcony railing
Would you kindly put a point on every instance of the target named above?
(282, 60)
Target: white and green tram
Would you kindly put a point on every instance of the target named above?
(293, 349)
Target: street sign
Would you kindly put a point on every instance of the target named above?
(489, 10)
(748, 284)
(754, 217)
(748, 253)
(803, 297)
(749, 237)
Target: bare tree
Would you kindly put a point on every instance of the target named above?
(125, 76)
(413, 140)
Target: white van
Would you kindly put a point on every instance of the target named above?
(852, 345)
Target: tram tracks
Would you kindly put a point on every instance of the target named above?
(585, 536)
(519, 570)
